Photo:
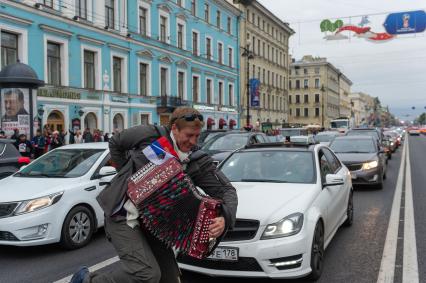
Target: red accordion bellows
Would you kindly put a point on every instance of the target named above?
(171, 207)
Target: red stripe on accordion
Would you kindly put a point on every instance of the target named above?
(172, 209)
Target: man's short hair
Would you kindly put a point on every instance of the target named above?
(178, 118)
(18, 92)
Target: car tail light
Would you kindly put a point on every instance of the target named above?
(24, 160)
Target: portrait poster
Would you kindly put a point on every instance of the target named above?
(15, 111)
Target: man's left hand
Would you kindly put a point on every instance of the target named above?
(217, 227)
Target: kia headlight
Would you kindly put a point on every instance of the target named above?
(31, 205)
(290, 225)
(370, 165)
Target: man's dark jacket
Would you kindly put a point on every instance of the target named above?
(125, 149)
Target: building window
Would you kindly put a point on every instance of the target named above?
(317, 83)
(305, 83)
(109, 13)
(306, 98)
(218, 19)
(297, 84)
(317, 70)
(209, 91)
(181, 84)
(117, 74)
(193, 8)
(297, 112)
(306, 112)
(195, 86)
(231, 94)
(305, 71)
(143, 20)
(195, 43)
(220, 93)
(297, 99)
(143, 79)
(163, 29)
(317, 98)
(289, 99)
(231, 57)
(220, 52)
(209, 48)
(81, 9)
(48, 3)
(228, 25)
(179, 2)
(89, 69)
(53, 63)
(206, 12)
(180, 36)
(317, 111)
(9, 48)
(163, 83)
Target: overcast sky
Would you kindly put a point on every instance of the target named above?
(395, 71)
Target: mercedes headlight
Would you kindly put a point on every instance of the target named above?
(370, 165)
(31, 205)
(291, 225)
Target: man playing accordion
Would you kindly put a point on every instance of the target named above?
(143, 257)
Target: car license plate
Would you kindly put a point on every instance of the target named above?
(224, 253)
(353, 175)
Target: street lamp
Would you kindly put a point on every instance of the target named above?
(322, 106)
(247, 53)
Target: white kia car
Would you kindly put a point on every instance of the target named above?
(291, 201)
(53, 199)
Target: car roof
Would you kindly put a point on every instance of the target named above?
(277, 146)
(90, 145)
(328, 133)
(360, 137)
(363, 129)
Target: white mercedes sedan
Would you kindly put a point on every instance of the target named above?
(53, 199)
(292, 199)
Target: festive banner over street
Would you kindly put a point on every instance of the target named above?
(395, 24)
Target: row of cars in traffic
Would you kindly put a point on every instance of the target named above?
(302, 192)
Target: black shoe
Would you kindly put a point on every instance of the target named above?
(79, 276)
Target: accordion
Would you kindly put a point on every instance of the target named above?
(172, 209)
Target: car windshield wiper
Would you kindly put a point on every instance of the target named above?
(262, 181)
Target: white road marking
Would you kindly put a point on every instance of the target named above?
(410, 272)
(92, 268)
(387, 265)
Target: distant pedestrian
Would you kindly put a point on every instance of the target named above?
(15, 135)
(106, 137)
(38, 142)
(87, 136)
(24, 146)
(72, 135)
(78, 138)
(56, 140)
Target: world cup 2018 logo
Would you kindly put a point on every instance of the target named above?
(406, 20)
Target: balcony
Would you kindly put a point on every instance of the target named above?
(167, 104)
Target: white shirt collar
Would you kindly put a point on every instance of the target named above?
(183, 156)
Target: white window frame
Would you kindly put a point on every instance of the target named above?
(211, 47)
(123, 112)
(183, 4)
(22, 41)
(198, 42)
(144, 113)
(168, 82)
(149, 76)
(98, 65)
(185, 83)
(183, 23)
(223, 53)
(233, 94)
(199, 87)
(167, 16)
(212, 90)
(124, 74)
(146, 6)
(223, 92)
(64, 57)
(233, 57)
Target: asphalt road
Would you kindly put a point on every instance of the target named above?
(354, 255)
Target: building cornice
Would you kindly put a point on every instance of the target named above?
(90, 40)
(272, 16)
(58, 31)
(18, 20)
(119, 47)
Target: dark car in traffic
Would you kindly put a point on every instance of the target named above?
(10, 158)
(221, 145)
(373, 132)
(364, 157)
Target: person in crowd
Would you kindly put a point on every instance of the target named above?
(24, 146)
(96, 136)
(143, 257)
(78, 138)
(56, 140)
(15, 135)
(87, 136)
(62, 136)
(38, 143)
(47, 138)
(106, 137)
(72, 136)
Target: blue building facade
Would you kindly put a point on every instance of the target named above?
(112, 64)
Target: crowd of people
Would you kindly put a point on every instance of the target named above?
(48, 139)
